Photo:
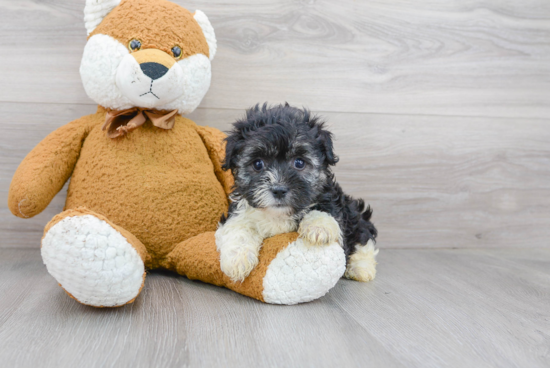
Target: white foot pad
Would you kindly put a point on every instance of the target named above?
(303, 272)
(93, 261)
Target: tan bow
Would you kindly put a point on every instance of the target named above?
(120, 122)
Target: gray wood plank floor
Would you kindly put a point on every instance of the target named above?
(427, 308)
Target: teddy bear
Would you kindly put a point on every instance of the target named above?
(147, 189)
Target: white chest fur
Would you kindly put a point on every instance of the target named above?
(272, 221)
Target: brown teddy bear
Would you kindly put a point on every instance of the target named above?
(147, 189)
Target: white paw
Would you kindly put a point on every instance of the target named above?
(92, 261)
(302, 273)
(237, 263)
(319, 228)
(239, 246)
(362, 264)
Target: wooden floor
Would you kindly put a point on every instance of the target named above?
(441, 115)
(427, 308)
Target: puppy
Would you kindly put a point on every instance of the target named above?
(280, 158)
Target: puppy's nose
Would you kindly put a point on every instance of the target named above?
(153, 70)
(279, 192)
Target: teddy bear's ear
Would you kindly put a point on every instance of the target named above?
(95, 11)
(208, 31)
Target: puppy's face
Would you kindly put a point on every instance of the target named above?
(279, 171)
(279, 157)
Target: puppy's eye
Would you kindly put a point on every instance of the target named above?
(134, 45)
(299, 164)
(258, 165)
(176, 51)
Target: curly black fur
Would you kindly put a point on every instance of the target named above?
(278, 136)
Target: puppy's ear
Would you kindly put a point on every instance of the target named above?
(325, 140)
(233, 143)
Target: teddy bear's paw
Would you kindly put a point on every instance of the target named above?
(238, 262)
(301, 273)
(319, 228)
(362, 264)
(93, 262)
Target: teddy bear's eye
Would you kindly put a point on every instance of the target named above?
(176, 50)
(134, 45)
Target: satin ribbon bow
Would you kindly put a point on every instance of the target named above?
(120, 122)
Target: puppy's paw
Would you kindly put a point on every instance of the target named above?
(237, 263)
(319, 228)
(362, 264)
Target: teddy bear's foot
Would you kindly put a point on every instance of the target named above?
(302, 273)
(92, 261)
(362, 264)
(289, 271)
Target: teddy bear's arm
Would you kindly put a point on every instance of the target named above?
(214, 140)
(44, 171)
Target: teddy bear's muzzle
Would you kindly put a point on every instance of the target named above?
(153, 63)
(150, 78)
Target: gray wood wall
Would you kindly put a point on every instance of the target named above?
(440, 108)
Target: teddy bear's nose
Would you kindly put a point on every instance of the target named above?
(153, 70)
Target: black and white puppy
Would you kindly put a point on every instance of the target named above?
(280, 158)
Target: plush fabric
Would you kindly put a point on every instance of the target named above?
(152, 196)
(173, 26)
(158, 184)
(46, 168)
(95, 261)
(95, 11)
(208, 31)
(213, 140)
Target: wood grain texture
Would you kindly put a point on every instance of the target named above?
(427, 308)
(440, 110)
(438, 182)
(476, 58)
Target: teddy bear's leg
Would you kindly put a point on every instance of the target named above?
(289, 271)
(94, 261)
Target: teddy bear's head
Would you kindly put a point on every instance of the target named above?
(151, 54)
